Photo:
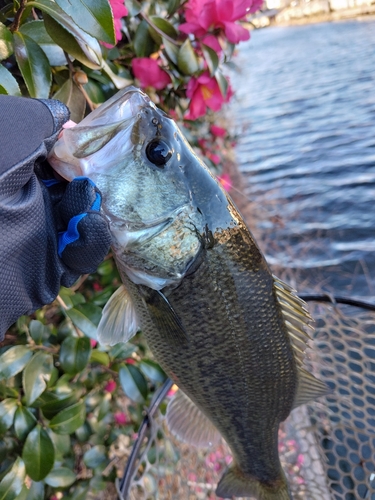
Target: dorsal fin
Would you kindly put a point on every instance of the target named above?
(119, 321)
(189, 424)
(297, 318)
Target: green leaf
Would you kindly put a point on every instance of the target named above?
(143, 42)
(222, 82)
(85, 51)
(96, 94)
(63, 30)
(54, 377)
(104, 407)
(6, 45)
(134, 7)
(44, 398)
(23, 494)
(211, 58)
(24, 422)
(38, 454)
(60, 478)
(152, 370)
(93, 16)
(36, 491)
(14, 359)
(99, 357)
(82, 322)
(8, 84)
(91, 311)
(173, 6)
(70, 94)
(80, 493)
(84, 432)
(8, 408)
(61, 444)
(66, 293)
(54, 407)
(123, 350)
(171, 49)
(187, 61)
(12, 483)
(119, 81)
(133, 383)
(37, 31)
(36, 375)
(36, 329)
(69, 419)
(75, 354)
(33, 64)
(95, 456)
(164, 26)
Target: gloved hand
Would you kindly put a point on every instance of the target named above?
(51, 232)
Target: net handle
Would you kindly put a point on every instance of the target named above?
(131, 466)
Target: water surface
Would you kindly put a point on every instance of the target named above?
(305, 114)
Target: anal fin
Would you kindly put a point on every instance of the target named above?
(186, 421)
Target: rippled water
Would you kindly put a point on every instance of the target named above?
(305, 114)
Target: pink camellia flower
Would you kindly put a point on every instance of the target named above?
(212, 41)
(217, 131)
(149, 73)
(93, 343)
(110, 386)
(118, 10)
(120, 418)
(225, 181)
(204, 92)
(130, 361)
(204, 15)
(214, 158)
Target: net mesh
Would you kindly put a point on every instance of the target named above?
(327, 449)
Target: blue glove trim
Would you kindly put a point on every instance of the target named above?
(97, 203)
(50, 182)
(71, 234)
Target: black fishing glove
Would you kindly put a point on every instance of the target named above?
(51, 232)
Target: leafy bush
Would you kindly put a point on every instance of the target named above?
(65, 400)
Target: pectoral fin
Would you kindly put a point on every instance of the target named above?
(119, 321)
(189, 424)
(164, 317)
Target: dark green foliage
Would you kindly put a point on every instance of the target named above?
(64, 399)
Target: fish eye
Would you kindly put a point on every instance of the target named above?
(158, 152)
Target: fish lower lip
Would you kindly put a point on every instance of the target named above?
(138, 236)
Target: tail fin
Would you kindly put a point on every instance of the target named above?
(235, 483)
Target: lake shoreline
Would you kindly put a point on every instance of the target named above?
(297, 16)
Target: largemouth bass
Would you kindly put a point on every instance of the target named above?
(225, 330)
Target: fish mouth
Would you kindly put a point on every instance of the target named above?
(131, 236)
(82, 150)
